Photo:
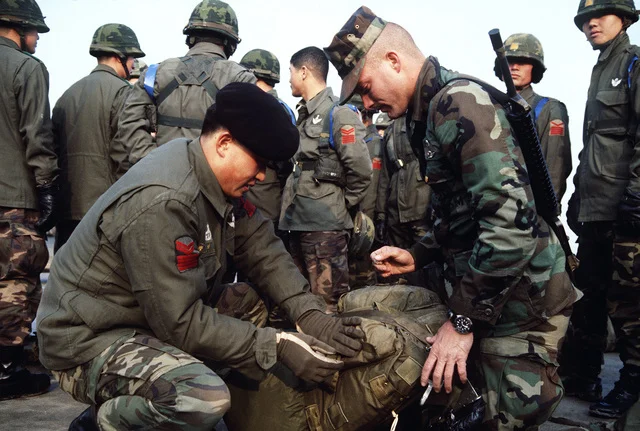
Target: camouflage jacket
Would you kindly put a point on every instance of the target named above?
(553, 130)
(403, 196)
(309, 205)
(26, 141)
(267, 194)
(85, 120)
(504, 268)
(140, 114)
(610, 157)
(147, 256)
(374, 145)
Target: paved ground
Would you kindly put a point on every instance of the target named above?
(55, 409)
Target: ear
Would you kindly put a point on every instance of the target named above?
(223, 142)
(393, 59)
(304, 72)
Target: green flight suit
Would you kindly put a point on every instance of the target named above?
(504, 267)
(85, 120)
(188, 102)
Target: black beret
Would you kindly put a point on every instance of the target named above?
(257, 120)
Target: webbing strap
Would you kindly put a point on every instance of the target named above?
(538, 108)
(150, 80)
(171, 121)
(630, 68)
(289, 111)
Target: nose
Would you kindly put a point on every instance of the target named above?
(261, 175)
(367, 102)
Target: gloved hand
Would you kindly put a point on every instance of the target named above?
(305, 356)
(628, 221)
(381, 231)
(48, 204)
(573, 211)
(341, 333)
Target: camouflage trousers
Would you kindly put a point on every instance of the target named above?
(23, 255)
(518, 375)
(141, 382)
(322, 258)
(361, 272)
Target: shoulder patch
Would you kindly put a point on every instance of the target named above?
(556, 128)
(348, 135)
(186, 254)
(377, 163)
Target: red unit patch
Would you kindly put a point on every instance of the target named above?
(248, 207)
(556, 128)
(377, 163)
(348, 135)
(186, 254)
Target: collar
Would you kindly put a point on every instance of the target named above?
(316, 101)
(617, 45)
(427, 86)
(527, 92)
(207, 48)
(8, 42)
(273, 92)
(207, 180)
(108, 69)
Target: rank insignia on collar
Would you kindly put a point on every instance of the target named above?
(186, 254)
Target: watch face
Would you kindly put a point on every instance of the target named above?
(462, 324)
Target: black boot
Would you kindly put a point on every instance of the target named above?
(16, 381)
(583, 388)
(623, 395)
(86, 421)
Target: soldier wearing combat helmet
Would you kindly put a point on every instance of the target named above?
(171, 97)
(85, 120)
(526, 63)
(604, 212)
(28, 189)
(139, 66)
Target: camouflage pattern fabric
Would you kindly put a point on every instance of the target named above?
(624, 298)
(23, 12)
(23, 255)
(522, 387)
(115, 39)
(322, 258)
(242, 301)
(361, 272)
(213, 16)
(263, 64)
(589, 8)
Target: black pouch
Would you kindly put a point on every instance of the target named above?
(328, 170)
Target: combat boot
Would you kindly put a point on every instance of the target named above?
(623, 395)
(86, 421)
(583, 388)
(16, 381)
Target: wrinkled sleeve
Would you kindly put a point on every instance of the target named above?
(556, 146)
(348, 135)
(262, 256)
(119, 154)
(478, 142)
(171, 299)
(32, 96)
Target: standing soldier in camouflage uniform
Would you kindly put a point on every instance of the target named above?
(361, 271)
(331, 174)
(526, 62)
(139, 66)
(506, 286)
(128, 313)
(605, 212)
(85, 120)
(28, 172)
(267, 194)
(170, 98)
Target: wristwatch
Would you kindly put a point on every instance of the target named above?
(462, 324)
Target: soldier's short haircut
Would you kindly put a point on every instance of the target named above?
(314, 59)
(393, 38)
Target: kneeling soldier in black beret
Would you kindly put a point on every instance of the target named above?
(128, 313)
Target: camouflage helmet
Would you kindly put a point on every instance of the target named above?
(362, 238)
(263, 64)
(527, 47)
(593, 8)
(139, 66)
(22, 13)
(213, 16)
(115, 39)
(383, 121)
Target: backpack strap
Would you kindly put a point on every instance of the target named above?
(538, 109)
(630, 68)
(289, 111)
(326, 137)
(150, 80)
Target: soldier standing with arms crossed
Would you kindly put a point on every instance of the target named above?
(604, 212)
(28, 189)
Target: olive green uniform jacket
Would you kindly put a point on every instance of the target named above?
(552, 125)
(374, 145)
(189, 101)
(146, 257)
(403, 196)
(504, 267)
(312, 206)
(26, 141)
(610, 157)
(85, 120)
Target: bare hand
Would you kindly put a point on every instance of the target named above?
(392, 261)
(449, 350)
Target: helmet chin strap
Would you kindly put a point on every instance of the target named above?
(123, 61)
